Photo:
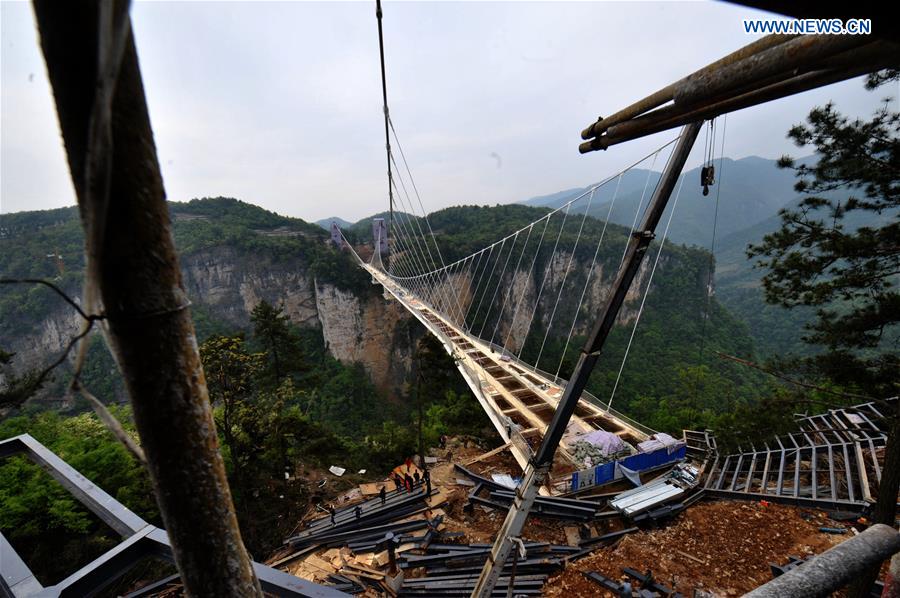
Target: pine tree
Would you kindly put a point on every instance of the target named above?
(839, 251)
(272, 328)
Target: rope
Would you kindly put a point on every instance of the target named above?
(646, 293)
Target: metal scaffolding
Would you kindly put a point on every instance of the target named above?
(831, 462)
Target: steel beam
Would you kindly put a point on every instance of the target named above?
(142, 540)
(113, 513)
(16, 579)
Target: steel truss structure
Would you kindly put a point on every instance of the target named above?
(140, 540)
(832, 461)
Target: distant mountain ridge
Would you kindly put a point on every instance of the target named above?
(326, 222)
(750, 190)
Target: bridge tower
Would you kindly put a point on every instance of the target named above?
(336, 237)
(379, 236)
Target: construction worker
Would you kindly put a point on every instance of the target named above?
(382, 494)
(397, 481)
(331, 512)
(625, 590)
(416, 477)
(427, 478)
(408, 481)
(358, 512)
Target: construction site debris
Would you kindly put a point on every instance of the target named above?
(735, 542)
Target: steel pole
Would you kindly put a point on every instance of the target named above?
(536, 471)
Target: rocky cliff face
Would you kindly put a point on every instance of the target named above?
(365, 329)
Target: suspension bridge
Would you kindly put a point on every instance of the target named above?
(533, 286)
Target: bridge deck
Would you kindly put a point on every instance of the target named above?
(519, 400)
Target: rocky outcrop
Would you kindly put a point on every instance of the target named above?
(228, 285)
(378, 333)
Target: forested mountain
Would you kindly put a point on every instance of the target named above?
(665, 382)
(234, 255)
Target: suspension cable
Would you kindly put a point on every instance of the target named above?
(387, 137)
(565, 276)
(416, 190)
(512, 248)
(527, 280)
(637, 318)
(509, 288)
(544, 280)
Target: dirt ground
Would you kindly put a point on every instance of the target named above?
(720, 547)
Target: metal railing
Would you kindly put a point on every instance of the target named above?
(139, 540)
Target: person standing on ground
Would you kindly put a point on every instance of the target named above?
(427, 478)
(331, 512)
(382, 494)
(409, 482)
(416, 477)
(397, 481)
(358, 512)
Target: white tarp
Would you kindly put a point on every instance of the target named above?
(658, 441)
(338, 471)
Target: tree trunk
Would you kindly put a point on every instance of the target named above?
(138, 279)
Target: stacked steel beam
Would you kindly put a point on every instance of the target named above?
(374, 520)
(452, 569)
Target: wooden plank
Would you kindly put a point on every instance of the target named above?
(487, 455)
(572, 536)
(437, 499)
(314, 561)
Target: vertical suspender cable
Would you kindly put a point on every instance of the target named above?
(637, 318)
(712, 254)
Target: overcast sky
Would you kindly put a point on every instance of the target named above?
(279, 103)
